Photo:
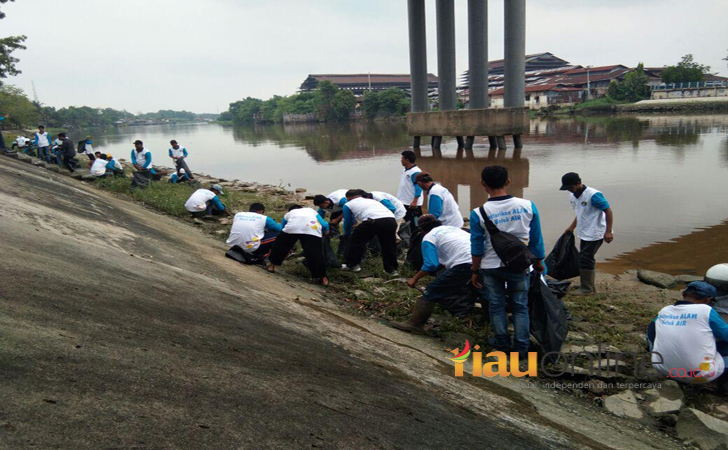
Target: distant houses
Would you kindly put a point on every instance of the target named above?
(550, 80)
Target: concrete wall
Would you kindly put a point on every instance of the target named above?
(690, 93)
(469, 122)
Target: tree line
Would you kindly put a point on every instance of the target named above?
(25, 113)
(327, 103)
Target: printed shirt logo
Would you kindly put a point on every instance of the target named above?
(462, 356)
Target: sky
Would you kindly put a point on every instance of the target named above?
(147, 55)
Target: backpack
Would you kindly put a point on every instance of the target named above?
(81, 148)
(514, 254)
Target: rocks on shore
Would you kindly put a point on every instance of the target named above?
(661, 280)
(705, 431)
(625, 405)
(665, 399)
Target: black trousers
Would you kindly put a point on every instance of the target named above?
(68, 162)
(313, 250)
(412, 213)
(386, 230)
(587, 253)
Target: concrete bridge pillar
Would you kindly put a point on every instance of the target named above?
(418, 57)
(515, 54)
(478, 53)
(446, 54)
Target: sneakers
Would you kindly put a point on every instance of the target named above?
(354, 269)
(393, 273)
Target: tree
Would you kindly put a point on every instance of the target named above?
(7, 46)
(325, 92)
(686, 71)
(390, 103)
(244, 111)
(633, 88)
(13, 101)
(343, 105)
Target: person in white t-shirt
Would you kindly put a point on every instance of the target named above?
(333, 203)
(374, 220)
(42, 142)
(253, 233)
(689, 339)
(593, 225)
(308, 227)
(408, 191)
(448, 247)
(205, 202)
(440, 202)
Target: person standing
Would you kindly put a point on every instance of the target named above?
(86, 147)
(3, 147)
(307, 226)
(520, 218)
(440, 202)
(67, 151)
(254, 233)
(449, 247)
(374, 220)
(179, 157)
(43, 143)
(593, 225)
(206, 203)
(409, 192)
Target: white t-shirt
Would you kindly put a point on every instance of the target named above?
(141, 157)
(198, 200)
(406, 191)
(247, 231)
(512, 215)
(399, 209)
(177, 153)
(44, 139)
(591, 222)
(453, 245)
(336, 197)
(367, 209)
(450, 210)
(684, 339)
(303, 221)
(89, 149)
(21, 140)
(98, 168)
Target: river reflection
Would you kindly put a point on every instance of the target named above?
(663, 174)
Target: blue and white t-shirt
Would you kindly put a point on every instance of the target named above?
(514, 215)
(442, 205)
(361, 209)
(684, 335)
(304, 221)
(408, 188)
(449, 246)
(248, 230)
(391, 202)
(589, 206)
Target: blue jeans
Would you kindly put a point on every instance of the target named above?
(497, 283)
(44, 153)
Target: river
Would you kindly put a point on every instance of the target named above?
(664, 175)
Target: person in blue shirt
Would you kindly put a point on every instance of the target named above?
(518, 217)
(181, 178)
(252, 235)
(446, 254)
(593, 225)
(3, 118)
(179, 157)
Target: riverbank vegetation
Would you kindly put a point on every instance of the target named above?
(24, 113)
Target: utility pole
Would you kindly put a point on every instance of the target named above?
(588, 83)
(35, 94)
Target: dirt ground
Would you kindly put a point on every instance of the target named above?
(121, 328)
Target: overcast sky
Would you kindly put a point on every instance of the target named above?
(200, 55)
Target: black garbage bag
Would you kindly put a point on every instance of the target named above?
(141, 179)
(237, 253)
(414, 252)
(563, 261)
(329, 254)
(549, 325)
(558, 288)
(405, 235)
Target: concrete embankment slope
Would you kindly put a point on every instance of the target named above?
(121, 328)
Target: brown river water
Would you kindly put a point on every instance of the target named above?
(665, 176)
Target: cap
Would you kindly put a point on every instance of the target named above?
(217, 187)
(701, 289)
(181, 170)
(570, 179)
